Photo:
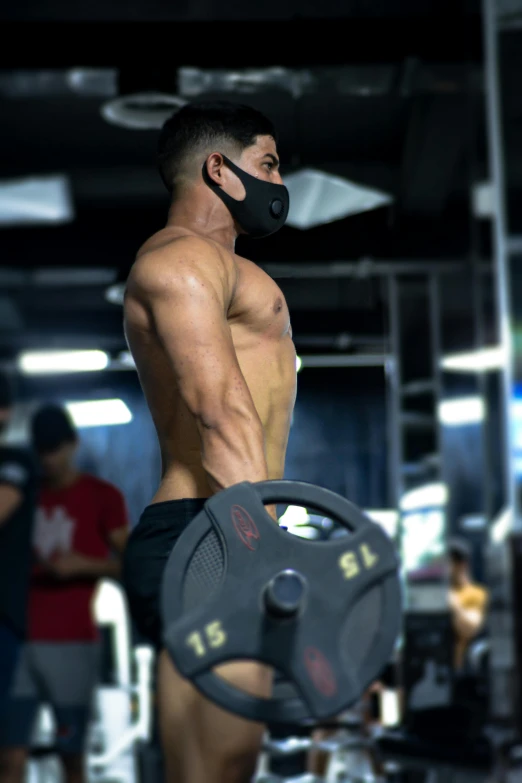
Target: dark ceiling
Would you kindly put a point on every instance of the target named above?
(386, 93)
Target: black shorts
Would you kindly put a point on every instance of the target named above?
(146, 555)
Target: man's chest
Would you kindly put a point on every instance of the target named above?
(259, 305)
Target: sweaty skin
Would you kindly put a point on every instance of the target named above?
(194, 309)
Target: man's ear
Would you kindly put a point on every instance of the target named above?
(214, 165)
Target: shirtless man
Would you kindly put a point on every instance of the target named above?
(210, 334)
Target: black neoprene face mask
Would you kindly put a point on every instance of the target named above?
(263, 210)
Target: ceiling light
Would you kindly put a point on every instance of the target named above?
(49, 362)
(462, 410)
(35, 200)
(142, 111)
(317, 198)
(55, 83)
(95, 82)
(72, 276)
(483, 360)
(99, 413)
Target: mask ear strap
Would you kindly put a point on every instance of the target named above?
(206, 177)
(234, 168)
(218, 190)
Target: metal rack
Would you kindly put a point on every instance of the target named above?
(415, 446)
(504, 544)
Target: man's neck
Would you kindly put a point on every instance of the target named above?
(205, 218)
(66, 479)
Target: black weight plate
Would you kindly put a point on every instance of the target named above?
(375, 623)
(190, 582)
(205, 571)
(363, 639)
(310, 496)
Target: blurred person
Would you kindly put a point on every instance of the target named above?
(467, 600)
(17, 507)
(80, 533)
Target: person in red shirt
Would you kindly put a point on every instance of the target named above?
(80, 532)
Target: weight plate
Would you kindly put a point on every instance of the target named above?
(212, 602)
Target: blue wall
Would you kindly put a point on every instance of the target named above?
(338, 438)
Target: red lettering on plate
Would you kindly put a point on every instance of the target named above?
(320, 671)
(245, 527)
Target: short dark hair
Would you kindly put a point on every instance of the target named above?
(52, 427)
(459, 550)
(6, 391)
(203, 126)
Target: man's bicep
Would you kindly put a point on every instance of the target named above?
(190, 320)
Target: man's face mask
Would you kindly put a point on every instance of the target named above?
(263, 210)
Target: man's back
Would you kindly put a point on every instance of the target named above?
(255, 319)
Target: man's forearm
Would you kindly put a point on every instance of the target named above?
(233, 450)
(228, 461)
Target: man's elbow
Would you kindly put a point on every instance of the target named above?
(225, 417)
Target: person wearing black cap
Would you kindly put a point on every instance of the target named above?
(80, 530)
(17, 507)
(467, 600)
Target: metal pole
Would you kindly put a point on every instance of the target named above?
(503, 287)
(394, 387)
(436, 355)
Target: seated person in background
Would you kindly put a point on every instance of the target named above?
(17, 507)
(467, 601)
(80, 520)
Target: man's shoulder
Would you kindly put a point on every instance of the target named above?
(164, 266)
(161, 252)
